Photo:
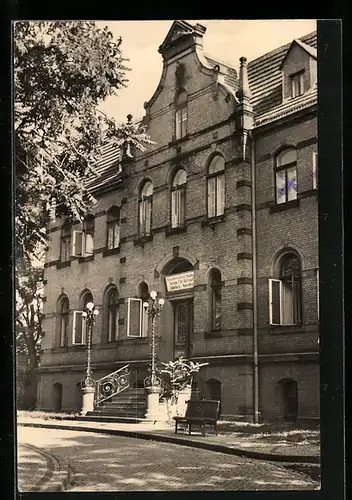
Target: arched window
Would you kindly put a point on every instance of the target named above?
(215, 298)
(113, 228)
(88, 227)
(143, 293)
(181, 115)
(64, 308)
(289, 399)
(286, 176)
(65, 246)
(145, 209)
(112, 310)
(216, 186)
(285, 292)
(79, 333)
(178, 199)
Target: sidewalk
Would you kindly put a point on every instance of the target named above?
(241, 444)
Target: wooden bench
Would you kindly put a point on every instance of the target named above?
(200, 413)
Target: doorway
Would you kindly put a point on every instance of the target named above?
(289, 392)
(183, 326)
(57, 396)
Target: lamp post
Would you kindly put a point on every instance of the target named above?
(152, 383)
(88, 384)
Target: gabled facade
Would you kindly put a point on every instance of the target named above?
(220, 218)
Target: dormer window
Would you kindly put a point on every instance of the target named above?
(297, 84)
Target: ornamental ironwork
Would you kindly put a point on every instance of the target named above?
(112, 384)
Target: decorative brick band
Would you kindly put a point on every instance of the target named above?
(243, 183)
(244, 281)
(244, 256)
(244, 305)
(243, 206)
(244, 230)
(200, 288)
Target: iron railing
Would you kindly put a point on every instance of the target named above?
(112, 384)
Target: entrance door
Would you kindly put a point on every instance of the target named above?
(183, 321)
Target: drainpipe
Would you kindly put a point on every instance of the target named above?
(254, 285)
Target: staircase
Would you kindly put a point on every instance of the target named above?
(116, 401)
(129, 406)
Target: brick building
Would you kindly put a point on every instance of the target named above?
(220, 218)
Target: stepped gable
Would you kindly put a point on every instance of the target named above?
(265, 78)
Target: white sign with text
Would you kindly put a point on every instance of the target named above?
(181, 281)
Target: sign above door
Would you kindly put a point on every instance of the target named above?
(181, 281)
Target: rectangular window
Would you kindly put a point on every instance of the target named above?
(318, 295)
(315, 169)
(297, 84)
(145, 216)
(134, 317)
(181, 122)
(113, 235)
(63, 329)
(78, 328)
(216, 195)
(65, 246)
(178, 207)
(286, 185)
(78, 243)
(275, 302)
(113, 324)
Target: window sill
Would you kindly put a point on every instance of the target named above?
(87, 258)
(111, 251)
(284, 206)
(169, 231)
(212, 221)
(132, 340)
(214, 334)
(286, 328)
(143, 239)
(176, 142)
(61, 265)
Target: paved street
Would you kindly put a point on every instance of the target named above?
(111, 463)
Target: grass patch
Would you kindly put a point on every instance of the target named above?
(44, 415)
(274, 432)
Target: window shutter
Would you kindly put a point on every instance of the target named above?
(174, 211)
(275, 302)
(318, 296)
(178, 124)
(211, 197)
(78, 242)
(315, 165)
(145, 320)
(89, 244)
(220, 195)
(134, 317)
(78, 328)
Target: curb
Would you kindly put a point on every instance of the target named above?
(58, 475)
(185, 442)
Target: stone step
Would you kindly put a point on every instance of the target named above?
(92, 417)
(121, 413)
(121, 404)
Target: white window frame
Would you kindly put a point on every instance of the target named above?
(129, 300)
(271, 301)
(84, 341)
(75, 234)
(315, 170)
(318, 296)
(294, 78)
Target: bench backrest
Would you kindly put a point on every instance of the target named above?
(205, 408)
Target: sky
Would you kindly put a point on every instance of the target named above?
(226, 40)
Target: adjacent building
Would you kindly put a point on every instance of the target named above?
(220, 217)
